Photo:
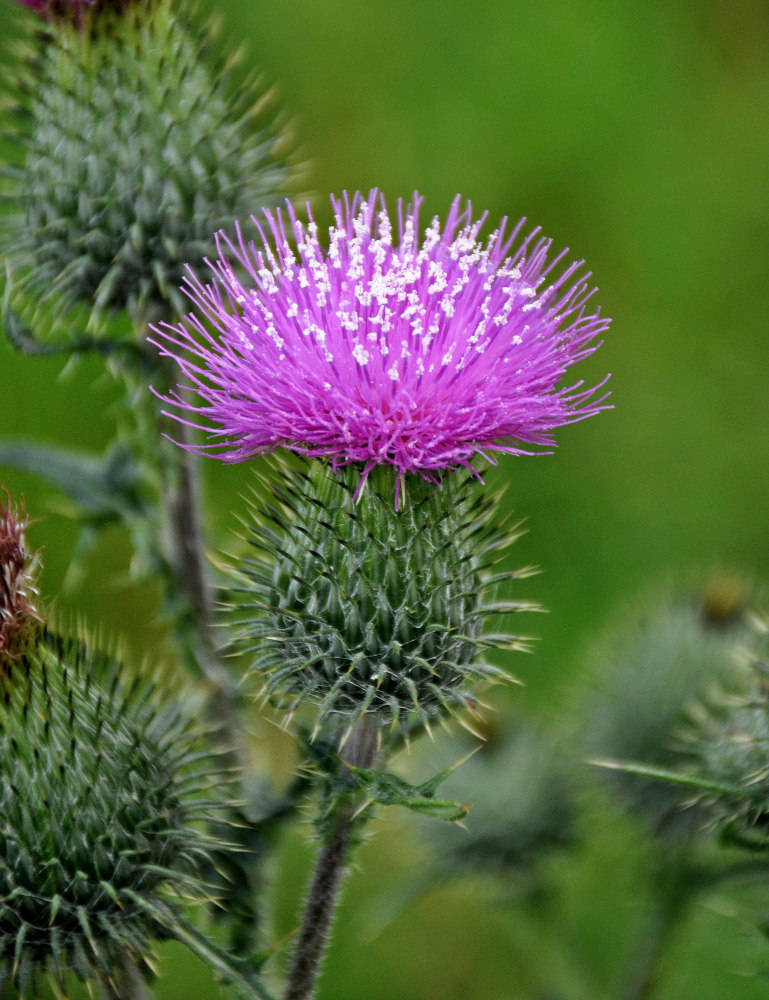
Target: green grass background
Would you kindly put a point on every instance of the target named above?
(637, 135)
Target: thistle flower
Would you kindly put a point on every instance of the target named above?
(18, 616)
(419, 354)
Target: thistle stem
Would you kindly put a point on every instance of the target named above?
(330, 870)
(187, 547)
(187, 577)
(126, 983)
(675, 889)
(321, 904)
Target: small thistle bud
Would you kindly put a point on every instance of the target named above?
(655, 672)
(133, 144)
(728, 745)
(97, 797)
(368, 608)
(18, 618)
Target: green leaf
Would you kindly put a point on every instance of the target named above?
(673, 777)
(391, 790)
(104, 489)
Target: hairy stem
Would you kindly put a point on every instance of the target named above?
(182, 500)
(321, 903)
(330, 869)
(181, 542)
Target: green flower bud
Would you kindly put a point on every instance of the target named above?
(99, 790)
(134, 145)
(728, 744)
(361, 607)
(652, 675)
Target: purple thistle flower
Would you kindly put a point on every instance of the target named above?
(419, 355)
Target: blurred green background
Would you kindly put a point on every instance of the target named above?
(638, 136)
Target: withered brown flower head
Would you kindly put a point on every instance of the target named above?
(17, 587)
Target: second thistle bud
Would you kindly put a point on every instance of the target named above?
(133, 145)
(365, 607)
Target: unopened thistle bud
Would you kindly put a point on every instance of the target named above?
(98, 798)
(728, 745)
(362, 607)
(134, 142)
(656, 670)
(522, 799)
(100, 788)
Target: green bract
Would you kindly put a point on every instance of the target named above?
(96, 801)
(359, 606)
(134, 145)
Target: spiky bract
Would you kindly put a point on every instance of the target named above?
(361, 607)
(135, 142)
(97, 794)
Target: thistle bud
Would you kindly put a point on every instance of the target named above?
(655, 671)
(522, 797)
(133, 144)
(98, 799)
(728, 745)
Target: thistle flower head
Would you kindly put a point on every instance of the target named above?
(18, 617)
(418, 351)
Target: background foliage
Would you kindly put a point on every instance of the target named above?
(638, 136)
